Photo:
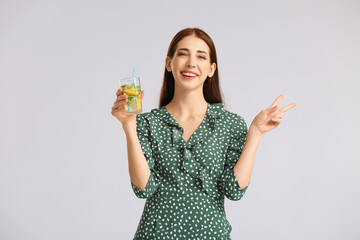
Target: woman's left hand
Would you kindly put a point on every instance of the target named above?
(271, 117)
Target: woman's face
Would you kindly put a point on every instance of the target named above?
(190, 64)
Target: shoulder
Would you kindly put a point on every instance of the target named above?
(142, 122)
(142, 117)
(148, 118)
(235, 122)
(232, 118)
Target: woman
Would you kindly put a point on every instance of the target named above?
(187, 155)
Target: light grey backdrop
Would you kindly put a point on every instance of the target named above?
(63, 168)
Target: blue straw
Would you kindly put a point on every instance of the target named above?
(132, 81)
(132, 77)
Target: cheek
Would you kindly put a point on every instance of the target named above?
(205, 68)
(175, 64)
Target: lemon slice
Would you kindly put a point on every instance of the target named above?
(131, 91)
(139, 104)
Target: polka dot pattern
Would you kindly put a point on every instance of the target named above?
(189, 180)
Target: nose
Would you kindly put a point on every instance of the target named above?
(190, 62)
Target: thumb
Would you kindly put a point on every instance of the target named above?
(142, 94)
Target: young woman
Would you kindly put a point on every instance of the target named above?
(189, 153)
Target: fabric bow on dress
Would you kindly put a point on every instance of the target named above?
(203, 171)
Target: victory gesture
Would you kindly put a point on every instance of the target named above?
(271, 117)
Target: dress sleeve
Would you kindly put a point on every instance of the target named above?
(143, 132)
(228, 182)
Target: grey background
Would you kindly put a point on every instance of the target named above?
(63, 167)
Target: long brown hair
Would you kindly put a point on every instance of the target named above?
(211, 87)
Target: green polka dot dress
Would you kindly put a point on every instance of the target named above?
(189, 180)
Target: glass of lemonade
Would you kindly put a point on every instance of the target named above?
(133, 105)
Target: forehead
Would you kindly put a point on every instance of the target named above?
(193, 43)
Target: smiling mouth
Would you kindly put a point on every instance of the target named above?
(187, 74)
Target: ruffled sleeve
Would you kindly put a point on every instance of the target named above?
(228, 182)
(154, 181)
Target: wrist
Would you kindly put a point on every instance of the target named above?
(129, 126)
(254, 131)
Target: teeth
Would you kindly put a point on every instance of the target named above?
(189, 74)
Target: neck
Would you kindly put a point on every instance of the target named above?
(188, 103)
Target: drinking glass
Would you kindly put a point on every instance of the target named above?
(133, 90)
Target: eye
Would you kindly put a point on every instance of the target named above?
(202, 57)
(180, 54)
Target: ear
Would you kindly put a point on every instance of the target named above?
(212, 70)
(167, 64)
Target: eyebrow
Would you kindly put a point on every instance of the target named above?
(186, 49)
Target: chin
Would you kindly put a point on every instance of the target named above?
(190, 85)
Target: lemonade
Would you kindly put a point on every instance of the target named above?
(133, 105)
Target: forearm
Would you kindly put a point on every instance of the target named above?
(138, 167)
(244, 167)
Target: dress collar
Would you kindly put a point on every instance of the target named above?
(206, 128)
(214, 111)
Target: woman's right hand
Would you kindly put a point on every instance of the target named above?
(119, 109)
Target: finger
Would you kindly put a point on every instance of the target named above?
(122, 100)
(276, 119)
(120, 97)
(119, 107)
(142, 94)
(119, 91)
(270, 110)
(284, 109)
(272, 115)
(117, 103)
(277, 114)
(277, 101)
